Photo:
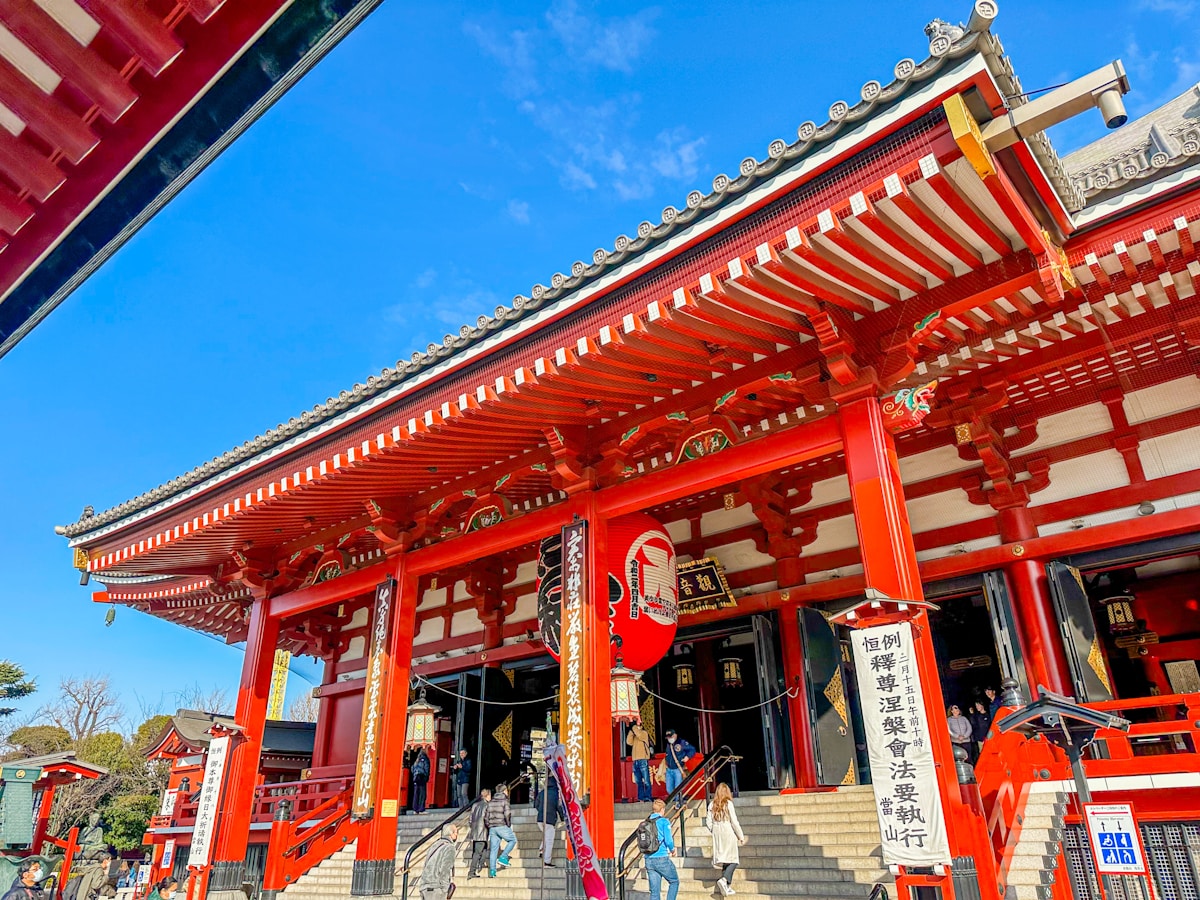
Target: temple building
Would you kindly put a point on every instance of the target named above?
(913, 355)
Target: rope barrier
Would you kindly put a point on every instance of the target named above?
(425, 681)
(788, 692)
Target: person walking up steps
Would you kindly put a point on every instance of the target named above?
(679, 752)
(659, 867)
(727, 836)
(499, 823)
(546, 803)
(437, 878)
(479, 833)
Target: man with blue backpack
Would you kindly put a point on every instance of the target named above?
(657, 847)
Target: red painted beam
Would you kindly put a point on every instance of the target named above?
(352, 584)
(143, 33)
(14, 212)
(81, 66)
(28, 169)
(798, 444)
(45, 115)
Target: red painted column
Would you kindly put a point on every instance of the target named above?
(803, 745)
(241, 773)
(1045, 662)
(375, 857)
(597, 642)
(890, 567)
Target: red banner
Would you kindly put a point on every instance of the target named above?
(577, 830)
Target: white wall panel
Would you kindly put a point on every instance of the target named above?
(1083, 475)
(1163, 399)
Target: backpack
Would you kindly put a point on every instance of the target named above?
(647, 837)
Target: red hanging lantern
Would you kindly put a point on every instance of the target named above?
(643, 590)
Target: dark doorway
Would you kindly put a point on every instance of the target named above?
(965, 649)
(714, 684)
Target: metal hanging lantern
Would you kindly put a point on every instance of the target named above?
(685, 676)
(1118, 610)
(731, 672)
(420, 728)
(624, 693)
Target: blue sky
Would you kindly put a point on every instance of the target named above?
(442, 159)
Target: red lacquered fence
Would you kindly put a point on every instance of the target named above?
(1164, 738)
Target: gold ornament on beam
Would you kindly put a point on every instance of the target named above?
(503, 735)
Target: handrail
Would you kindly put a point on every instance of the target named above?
(704, 771)
(406, 866)
(879, 891)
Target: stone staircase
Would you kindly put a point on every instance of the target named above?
(1035, 861)
(819, 846)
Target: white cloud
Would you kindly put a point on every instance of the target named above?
(514, 51)
(597, 143)
(518, 211)
(613, 44)
(426, 278)
(1177, 8)
(575, 178)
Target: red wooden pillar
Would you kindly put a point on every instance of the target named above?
(375, 858)
(1045, 661)
(228, 868)
(890, 568)
(598, 781)
(803, 751)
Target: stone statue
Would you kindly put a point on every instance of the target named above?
(94, 859)
(940, 27)
(92, 845)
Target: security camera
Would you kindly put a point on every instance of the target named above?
(1112, 107)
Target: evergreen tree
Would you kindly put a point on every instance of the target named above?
(13, 685)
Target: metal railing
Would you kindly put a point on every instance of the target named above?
(406, 866)
(701, 776)
(879, 892)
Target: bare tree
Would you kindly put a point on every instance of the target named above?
(214, 700)
(85, 707)
(304, 708)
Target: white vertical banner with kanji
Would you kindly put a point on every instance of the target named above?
(911, 822)
(210, 796)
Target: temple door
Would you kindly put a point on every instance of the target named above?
(833, 733)
(1081, 642)
(769, 681)
(1004, 631)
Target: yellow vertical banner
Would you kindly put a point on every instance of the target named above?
(279, 676)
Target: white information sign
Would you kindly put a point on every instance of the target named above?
(1115, 839)
(210, 795)
(143, 876)
(911, 822)
(168, 803)
(168, 858)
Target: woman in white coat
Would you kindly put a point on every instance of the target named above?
(727, 836)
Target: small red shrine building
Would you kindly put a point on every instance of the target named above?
(286, 755)
(912, 353)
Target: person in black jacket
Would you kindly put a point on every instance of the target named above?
(25, 886)
(981, 722)
(479, 832)
(548, 817)
(499, 823)
(418, 779)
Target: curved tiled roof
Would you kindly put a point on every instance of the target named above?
(947, 44)
(1157, 143)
